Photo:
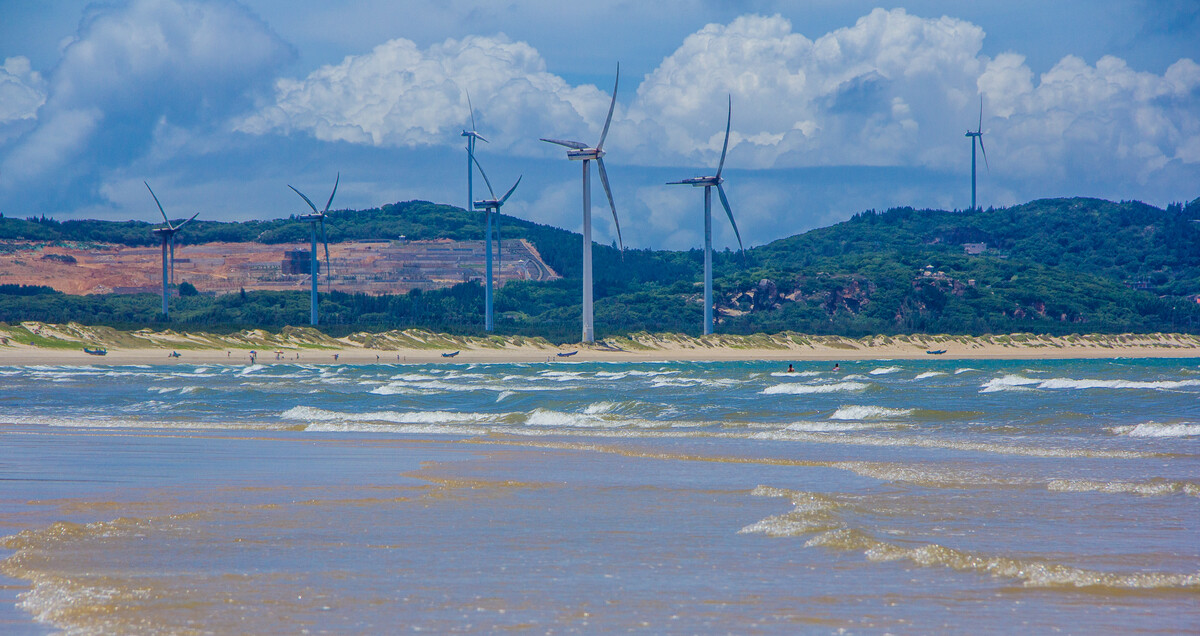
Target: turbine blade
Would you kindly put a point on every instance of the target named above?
(724, 148)
(499, 243)
(510, 191)
(306, 200)
(485, 179)
(728, 212)
(160, 209)
(985, 163)
(187, 221)
(980, 127)
(479, 137)
(611, 106)
(335, 185)
(326, 242)
(469, 105)
(172, 258)
(613, 206)
(577, 145)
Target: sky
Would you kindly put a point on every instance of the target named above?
(838, 106)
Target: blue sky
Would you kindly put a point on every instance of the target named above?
(838, 106)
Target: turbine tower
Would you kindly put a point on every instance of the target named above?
(489, 206)
(167, 234)
(977, 134)
(471, 136)
(708, 183)
(579, 151)
(314, 219)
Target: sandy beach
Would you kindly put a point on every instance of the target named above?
(34, 343)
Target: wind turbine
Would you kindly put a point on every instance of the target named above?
(977, 134)
(708, 183)
(314, 219)
(489, 206)
(167, 234)
(471, 136)
(579, 151)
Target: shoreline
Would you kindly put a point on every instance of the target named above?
(46, 344)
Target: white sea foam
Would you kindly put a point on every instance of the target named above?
(408, 429)
(964, 370)
(835, 427)
(313, 414)
(929, 374)
(868, 413)
(1017, 382)
(884, 370)
(1068, 383)
(855, 376)
(503, 395)
(550, 419)
(1155, 429)
(1007, 383)
(1152, 488)
(790, 388)
(786, 435)
(795, 374)
(617, 375)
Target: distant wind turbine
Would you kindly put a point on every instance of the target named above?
(708, 183)
(977, 134)
(471, 136)
(318, 217)
(167, 234)
(489, 206)
(579, 151)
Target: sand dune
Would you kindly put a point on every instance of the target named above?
(40, 343)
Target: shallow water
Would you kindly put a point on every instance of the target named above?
(895, 496)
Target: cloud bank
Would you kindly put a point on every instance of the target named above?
(894, 89)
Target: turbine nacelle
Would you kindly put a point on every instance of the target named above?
(585, 154)
(699, 182)
(472, 133)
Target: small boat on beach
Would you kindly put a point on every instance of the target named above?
(98, 351)
(937, 352)
(449, 355)
(567, 354)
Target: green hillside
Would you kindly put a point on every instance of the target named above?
(1051, 266)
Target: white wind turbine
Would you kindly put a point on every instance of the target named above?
(490, 206)
(708, 183)
(977, 134)
(579, 151)
(317, 217)
(167, 234)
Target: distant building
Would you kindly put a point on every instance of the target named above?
(298, 262)
(974, 249)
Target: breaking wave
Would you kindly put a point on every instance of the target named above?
(791, 388)
(868, 413)
(1154, 429)
(1016, 382)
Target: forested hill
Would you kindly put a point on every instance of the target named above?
(1053, 266)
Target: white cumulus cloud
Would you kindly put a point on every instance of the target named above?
(402, 95)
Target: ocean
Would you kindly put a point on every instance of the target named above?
(909, 496)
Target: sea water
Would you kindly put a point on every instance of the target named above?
(896, 496)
